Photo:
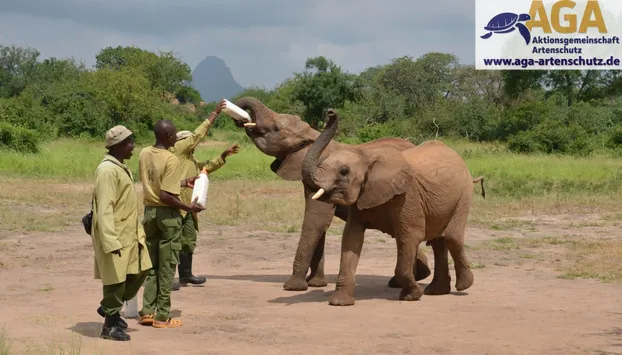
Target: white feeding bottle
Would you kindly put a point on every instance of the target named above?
(235, 111)
(131, 308)
(200, 188)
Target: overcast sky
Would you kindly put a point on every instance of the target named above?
(262, 41)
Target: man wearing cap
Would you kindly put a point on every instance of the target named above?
(184, 151)
(121, 257)
(162, 221)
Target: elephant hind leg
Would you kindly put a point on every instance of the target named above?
(317, 278)
(454, 240)
(441, 282)
(421, 270)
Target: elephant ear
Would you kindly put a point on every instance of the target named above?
(388, 175)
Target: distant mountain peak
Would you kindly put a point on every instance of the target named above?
(214, 81)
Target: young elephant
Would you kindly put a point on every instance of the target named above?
(418, 194)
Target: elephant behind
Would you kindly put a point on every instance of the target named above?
(287, 138)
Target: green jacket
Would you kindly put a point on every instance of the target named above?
(116, 224)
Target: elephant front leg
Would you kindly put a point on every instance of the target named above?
(407, 246)
(317, 278)
(351, 246)
(317, 219)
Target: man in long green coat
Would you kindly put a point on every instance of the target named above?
(184, 151)
(121, 257)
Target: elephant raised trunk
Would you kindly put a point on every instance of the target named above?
(310, 162)
(258, 111)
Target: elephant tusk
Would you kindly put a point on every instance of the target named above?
(250, 124)
(317, 195)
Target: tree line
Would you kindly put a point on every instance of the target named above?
(567, 112)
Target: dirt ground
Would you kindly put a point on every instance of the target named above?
(517, 305)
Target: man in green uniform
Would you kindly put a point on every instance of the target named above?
(184, 151)
(160, 177)
(121, 258)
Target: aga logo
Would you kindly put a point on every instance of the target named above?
(507, 22)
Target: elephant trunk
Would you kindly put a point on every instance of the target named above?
(258, 111)
(310, 162)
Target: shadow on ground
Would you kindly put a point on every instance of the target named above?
(368, 287)
(93, 329)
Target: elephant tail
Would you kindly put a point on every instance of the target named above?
(480, 179)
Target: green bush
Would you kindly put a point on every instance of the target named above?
(19, 139)
(553, 138)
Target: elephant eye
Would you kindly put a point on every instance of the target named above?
(344, 171)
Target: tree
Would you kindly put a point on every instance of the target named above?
(165, 72)
(16, 67)
(322, 85)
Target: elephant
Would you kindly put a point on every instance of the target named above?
(287, 138)
(418, 194)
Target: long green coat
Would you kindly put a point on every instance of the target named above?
(116, 224)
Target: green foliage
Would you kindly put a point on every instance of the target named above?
(17, 138)
(188, 94)
(432, 96)
(164, 72)
(321, 86)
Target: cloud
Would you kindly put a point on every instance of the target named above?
(262, 42)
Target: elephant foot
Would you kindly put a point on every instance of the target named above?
(341, 298)
(438, 287)
(317, 281)
(295, 284)
(411, 295)
(464, 280)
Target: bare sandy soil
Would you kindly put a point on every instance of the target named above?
(516, 306)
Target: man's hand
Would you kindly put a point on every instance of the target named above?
(219, 107)
(194, 207)
(116, 252)
(190, 181)
(216, 112)
(230, 151)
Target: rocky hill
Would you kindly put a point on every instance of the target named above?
(213, 79)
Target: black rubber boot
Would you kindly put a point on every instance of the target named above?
(112, 331)
(185, 270)
(122, 324)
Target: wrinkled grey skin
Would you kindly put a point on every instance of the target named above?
(287, 138)
(421, 194)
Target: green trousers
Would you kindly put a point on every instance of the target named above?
(188, 234)
(163, 238)
(116, 294)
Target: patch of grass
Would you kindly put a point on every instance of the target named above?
(585, 224)
(477, 266)
(50, 191)
(512, 224)
(612, 217)
(76, 160)
(46, 288)
(594, 259)
(5, 342)
(508, 243)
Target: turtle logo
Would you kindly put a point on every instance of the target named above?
(507, 22)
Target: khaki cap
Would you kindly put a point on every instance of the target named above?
(183, 134)
(116, 135)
